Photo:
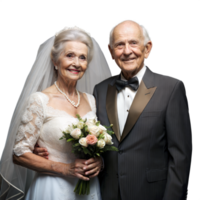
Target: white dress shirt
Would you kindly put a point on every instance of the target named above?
(125, 98)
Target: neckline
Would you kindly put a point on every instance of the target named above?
(63, 111)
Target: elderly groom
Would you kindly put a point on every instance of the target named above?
(151, 124)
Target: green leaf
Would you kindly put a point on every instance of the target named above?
(68, 136)
(110, 148)
(97, 123)
(86, 129)
(78, 116)
(108, 127)
(110, 132)
(76, 145)
(86, 151)
(74, 126)
(91, 148)
(101, 136)
(70, 139)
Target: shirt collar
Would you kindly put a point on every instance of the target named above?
(139, 75)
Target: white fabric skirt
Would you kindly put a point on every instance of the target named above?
(46, 187)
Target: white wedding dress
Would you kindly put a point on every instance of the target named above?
(44, 124)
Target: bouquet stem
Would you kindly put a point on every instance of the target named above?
(82, 187)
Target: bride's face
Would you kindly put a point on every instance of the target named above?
(73, 61)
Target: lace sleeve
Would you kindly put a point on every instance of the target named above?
(30, 126)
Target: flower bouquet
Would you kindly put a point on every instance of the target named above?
(90, 139)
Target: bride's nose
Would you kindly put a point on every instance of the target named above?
(76, 62)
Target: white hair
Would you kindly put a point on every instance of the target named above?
(144, 31)
(71, 34)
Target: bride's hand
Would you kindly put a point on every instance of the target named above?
(77, 169)
(93, 167)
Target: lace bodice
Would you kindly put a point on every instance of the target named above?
(44, 124)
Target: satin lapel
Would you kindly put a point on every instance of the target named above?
(111, 108)
(139, 103)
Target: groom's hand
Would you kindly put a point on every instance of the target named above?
(42, 152)
(93, 167)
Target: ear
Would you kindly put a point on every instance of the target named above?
(148, 48)
(110, 51)
(56, 63)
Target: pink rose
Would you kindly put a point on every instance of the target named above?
(91, 139)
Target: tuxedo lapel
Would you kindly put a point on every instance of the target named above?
(143, 96)
(111, 108)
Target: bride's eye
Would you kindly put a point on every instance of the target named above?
(70, 55)
(82, 57)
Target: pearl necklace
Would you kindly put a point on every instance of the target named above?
(72, 102)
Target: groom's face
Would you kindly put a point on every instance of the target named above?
(128, 49)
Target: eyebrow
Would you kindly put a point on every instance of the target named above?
(67, 52)
(122, 42)
(115, 44)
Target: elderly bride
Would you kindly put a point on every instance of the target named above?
(50, 108)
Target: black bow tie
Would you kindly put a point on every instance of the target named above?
(133, 83)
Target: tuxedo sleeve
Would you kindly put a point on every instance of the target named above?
(179, 144)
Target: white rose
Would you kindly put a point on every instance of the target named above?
(107, 138)
(101, 143)
(83, 142)
(80, 124)
(90, 122)
(94, 130)
(76, 133)
(69, 129)
(102, 128)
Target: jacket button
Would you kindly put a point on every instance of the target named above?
(120, 152)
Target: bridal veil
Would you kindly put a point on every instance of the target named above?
(14, 179)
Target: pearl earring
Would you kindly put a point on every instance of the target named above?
(56, 67)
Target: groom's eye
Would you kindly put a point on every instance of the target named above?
(133, 42)
(120, 44)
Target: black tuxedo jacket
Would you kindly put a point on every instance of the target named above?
(153, 161)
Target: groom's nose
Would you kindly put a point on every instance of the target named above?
(127, 49)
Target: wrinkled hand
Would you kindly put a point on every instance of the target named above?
(81, 168)
(93, 167)
(40, 151)
(77, 169)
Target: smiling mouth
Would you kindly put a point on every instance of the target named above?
(129, 59)
(74, 71)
